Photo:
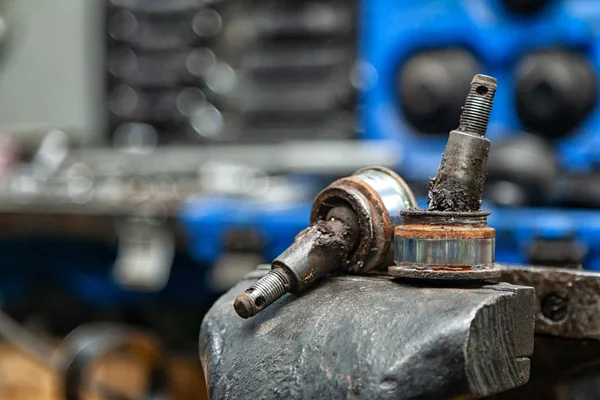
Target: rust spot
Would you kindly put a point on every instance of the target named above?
(375, 225)
(380, 221)
(309, 277)
(445, 231)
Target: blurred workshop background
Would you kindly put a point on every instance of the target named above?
(153, 152)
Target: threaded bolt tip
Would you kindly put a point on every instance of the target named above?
(263, 293)
(478, 105)
(244, 306)
(481, 79)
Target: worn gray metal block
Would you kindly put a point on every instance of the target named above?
(371, 338)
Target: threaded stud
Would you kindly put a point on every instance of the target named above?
(263, 293)
(478, 105)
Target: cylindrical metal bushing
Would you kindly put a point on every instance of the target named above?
(451, 247)
(436, 245)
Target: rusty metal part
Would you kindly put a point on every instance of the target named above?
(458, 184)
(266, 291)
(320, 248)
(428, 217)
(377, 195)
(445, 248)
(368, 337)
(352, 224)
(451, 240)
(316, 251)
(567, 300)
(444, 245)
(445, 232)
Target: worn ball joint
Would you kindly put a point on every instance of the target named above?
(451, 240)
(352, 224)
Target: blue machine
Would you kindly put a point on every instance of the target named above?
(395, 30)
(498, 39)
(208, 221)
(82, 269)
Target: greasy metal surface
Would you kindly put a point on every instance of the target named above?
(351, 229)
(361, 201)
(370, 338)
(317, 250)
(567, 300)
(371, 206)
(458, 184)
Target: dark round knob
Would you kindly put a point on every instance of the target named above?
(556, 90)
(521, 171)
(580, 190)
(432, 87)
(525, 7)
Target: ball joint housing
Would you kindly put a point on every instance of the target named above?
(451, 240)
(351, 230)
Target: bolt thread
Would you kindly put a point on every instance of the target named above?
(271, 286)
(263, 293)
(478, 105)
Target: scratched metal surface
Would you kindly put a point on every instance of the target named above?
(370, 338)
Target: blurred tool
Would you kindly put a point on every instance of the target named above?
(82, 349)
(235, 71)
(521, 171)
(555, 92)
(67, 93)
(352, 221)
(577, 190)
(451, 239)
(563, 252)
